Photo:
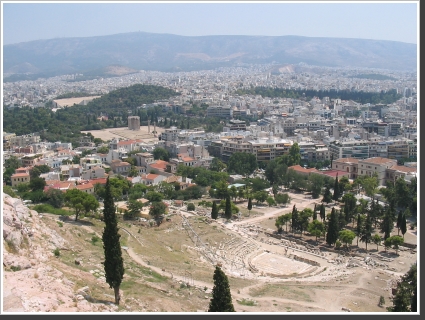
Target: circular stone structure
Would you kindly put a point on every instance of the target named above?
(280, 266)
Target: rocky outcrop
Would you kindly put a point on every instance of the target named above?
(30, 281)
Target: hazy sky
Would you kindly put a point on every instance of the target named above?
(396, 21)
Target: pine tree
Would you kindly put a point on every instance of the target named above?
(221, 297)
(228, 208)
(214, 211)
(333, 232)
(113, 264)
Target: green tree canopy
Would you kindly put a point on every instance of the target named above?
(154, 196)
(157, 209)
(346, 236)
(80, 201)
(282, 198)
(217, 165)
(242, 163)
(327, 196)
(161, 154)
(316, 228)
(405, 298)
(316, 183)
(333, 232)
(56, 197)
(133, 209)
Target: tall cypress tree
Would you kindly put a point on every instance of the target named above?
(327, 196)
(341, 220)
(294, 219)
(315, 212)
(322, 212)
(366, 233)
(228, 209)
(399, 221)
(358, 228)
(249, 204)
(387, 223)
(113, 264)
(403, 226)
(333, 231)
(336, 189)
(221, 297)
(214, 211)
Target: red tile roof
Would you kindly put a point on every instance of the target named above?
(159, 164)
(377, 160)
(84, 186)
(102, 181)
(347, 160)
(62, 185)
(20, 175)
(302, 169)
(334, 173)
(403, 168)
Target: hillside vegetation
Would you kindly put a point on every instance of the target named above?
(65, 124)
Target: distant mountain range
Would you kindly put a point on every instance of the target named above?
(167, 52)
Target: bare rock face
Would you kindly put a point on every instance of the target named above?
(30, 283)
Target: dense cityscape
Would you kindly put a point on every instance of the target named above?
(291, 155)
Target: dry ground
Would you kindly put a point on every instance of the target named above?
(158, 259)
(124, 133)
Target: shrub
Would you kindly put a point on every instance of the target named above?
(190, 207)
(338, 244)
(95, 239)
(246, 302)
(8, 190)
(56, 252)
(47, 208)
(381, 301)
(60, 224)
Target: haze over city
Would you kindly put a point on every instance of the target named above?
(394, 21)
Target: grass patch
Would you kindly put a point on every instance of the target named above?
(47, 208)
(281, 291)
(156, 277)
(11, 247)
(127, 285)
(95, 239)
(15, 268)
(247, 302)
